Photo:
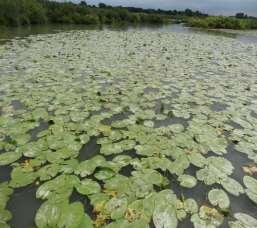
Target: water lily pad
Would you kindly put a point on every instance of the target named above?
(187, 181)
(207, 217)
(116, 207)
(216, 170)
(232, 186)
(48, 172)
(22, 176)
(153, 128)
(60, 187)
(86, 222)
(245, 220)
(88, 187)
(72, 215)
(117, 148)
(9, 157)
(48, 214)
(56, 214)
(5, 216)
(114, 184)
(87, 167)
(197, 159)
(179, 165)
(104, 174)
(251, 190)
(165, 217)
(218, 197)
(191, 206)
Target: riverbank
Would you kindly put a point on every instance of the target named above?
(221, 22)
(17, 13)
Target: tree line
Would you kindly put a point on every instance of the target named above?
(29, 12)
(239, 21)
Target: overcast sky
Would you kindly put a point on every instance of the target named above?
(227, 7)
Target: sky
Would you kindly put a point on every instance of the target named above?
(217, 7)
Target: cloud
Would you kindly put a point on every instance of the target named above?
(227, 7)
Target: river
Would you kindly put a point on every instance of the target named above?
(130, 125)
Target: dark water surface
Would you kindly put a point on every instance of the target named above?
(10, 33)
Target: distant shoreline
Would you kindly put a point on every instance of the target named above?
(18, 13)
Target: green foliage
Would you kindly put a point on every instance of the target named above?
(28, 12)
(220, 22)
(21, 12)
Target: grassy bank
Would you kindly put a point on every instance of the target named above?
(221, 22)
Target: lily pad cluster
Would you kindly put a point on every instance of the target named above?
(150, 128)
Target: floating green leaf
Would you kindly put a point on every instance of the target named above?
(243, 221)
(116, 207)
(9, 157)
(232, 186)
(59, 214)
(164, 216)
(88, 187)
(251, 190)
(187, 181)
(218, 197)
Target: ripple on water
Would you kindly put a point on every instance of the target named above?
(89, 150)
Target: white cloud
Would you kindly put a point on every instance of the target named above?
(228, 7)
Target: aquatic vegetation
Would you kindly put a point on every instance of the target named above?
(243, 220)
(251, 190)
(219, 198)
(127, 129)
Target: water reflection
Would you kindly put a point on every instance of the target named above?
(9, 33)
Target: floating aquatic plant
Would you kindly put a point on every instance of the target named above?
(144, 133)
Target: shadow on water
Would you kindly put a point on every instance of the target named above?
(25, 31)
(235, 125)
(89, 150)
(238, 160)
(116, 117)
(132, 153)
(170, 121)
(199, 192)
(218, 107)
(126, 170)
(242, 204)
(34, 132)
(17, 105)
(23, 205)
(76, 197)
(186, 223)
(5, 172)
(254, 114)
(249, 39)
